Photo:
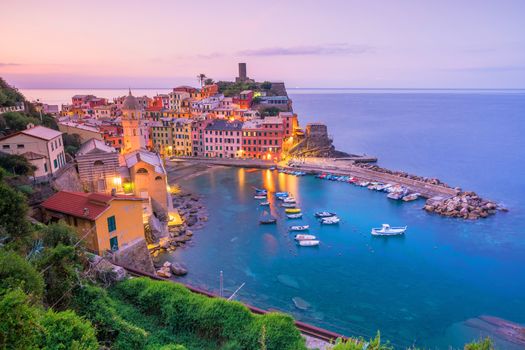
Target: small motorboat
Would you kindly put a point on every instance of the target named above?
(265, 203)
(309, 243)
(292, 210)
(332, 220)
(289, 200)
(301, 237)
(411, 197)
(386, 230)
(294, 216)
(271, 168)
(288, 205)
(299, 228)
(267, 221)
(396, 195)
(281, 194)
(259, 196)
(324, 214)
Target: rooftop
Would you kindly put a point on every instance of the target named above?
(42, 132)
(83, 205)
(79, 126)
(221, 124)
(146, 156)
(94, 146)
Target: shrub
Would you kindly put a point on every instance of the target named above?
(55, 234)
(18, 325)
(112, 330)
(482, 344)
(280, 332)
(16, 164)
(16, 272)
(13, 211)
(65, 330)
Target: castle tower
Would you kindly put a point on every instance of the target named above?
(132, 125)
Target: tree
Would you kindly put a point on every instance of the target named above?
(16, 272)
(201, 78)
(16, 164)
(270, 111)
(71, 143)
(13, 216)
(60, 233)
(266, 85)
(66, 330)
(16, 121)
(208, 81)
(19, 327)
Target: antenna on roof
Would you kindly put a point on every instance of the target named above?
(130, 91)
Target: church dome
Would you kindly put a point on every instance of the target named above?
(130, 102)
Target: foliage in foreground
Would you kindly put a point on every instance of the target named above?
(482, 344)
(359, 344)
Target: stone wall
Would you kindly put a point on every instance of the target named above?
(67, 180)
(135, 255)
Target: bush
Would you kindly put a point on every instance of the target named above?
(13, 211)
(482, 344)
(16, 272)
(360, 343)
(55, 234)
(228, 323)
(19, 328)
(65, 330)
(16, 164)
(112, 330)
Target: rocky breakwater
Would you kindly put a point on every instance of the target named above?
(465, 205)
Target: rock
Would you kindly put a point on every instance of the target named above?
(429, 208)
(463, 211)
(473, 216)
(300, 303)
(192, 220)
(164, 242)
(178, 269)
(189, 233)
(106, 272)
(164, 273)
(166, 264)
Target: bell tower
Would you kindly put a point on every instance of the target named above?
(132, 125)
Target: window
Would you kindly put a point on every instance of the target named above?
(55, 164)
(112, 224)
(98, 162)
(45, 167)
(142, 171)
(5, 147)
(20, 146)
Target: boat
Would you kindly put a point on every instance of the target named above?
(396, 195)
(332, 220)
(309, 243)
(271, 168)
(265, 203)
(411, 197)
(324, 214)
(294, 216)
(281, 194)
(288, 205)
(299, 228)
(302, 237)
(364, 184)
(386, 230)
(292, 210)
(289, 200)
(259, 196)
(266, 221)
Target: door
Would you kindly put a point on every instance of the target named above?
(113, 243)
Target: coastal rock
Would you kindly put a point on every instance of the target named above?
(178, 269)
(192, 220)
(164, 272)
(300, 303)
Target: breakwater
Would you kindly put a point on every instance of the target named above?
(442, 199)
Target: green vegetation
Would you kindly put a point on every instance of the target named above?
(359, 344)
(230, 89)
(16, 121)
(482, 344)
(71, 143)
(16, 165)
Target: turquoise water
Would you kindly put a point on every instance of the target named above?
(419, 289)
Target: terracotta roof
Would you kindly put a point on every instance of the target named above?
(83, 205)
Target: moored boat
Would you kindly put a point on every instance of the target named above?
(386, 230)
(324, 214)
(303, 237)
(266, 221)
(259, 196)
(289, 200)
(411, 197)
(299, 228)
(294, 216)
(309, 243)
(292, 210)
(332, 220)
(288, 205)
(265, 203)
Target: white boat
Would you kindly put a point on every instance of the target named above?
(289, 200)
(309, 243)
(396, 195)
(386, 230)
(294, 216)
(299, 228)
(330, 221)
(265, 203)
(282, 194)
(411, 197)
(288, 205)
(301, 237)
(324, 214)
(259, 196)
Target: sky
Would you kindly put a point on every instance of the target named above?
(328, 43)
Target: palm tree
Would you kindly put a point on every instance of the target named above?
(200, 78)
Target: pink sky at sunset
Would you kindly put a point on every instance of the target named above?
(473, 44)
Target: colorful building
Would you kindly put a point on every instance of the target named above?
(136, 134)
(222, 139)
(262, 138)
(103, 222)
(182, 143)
(97, 165)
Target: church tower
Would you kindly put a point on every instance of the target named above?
(132, 125)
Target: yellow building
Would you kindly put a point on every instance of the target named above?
(103, 222)
(182, 137)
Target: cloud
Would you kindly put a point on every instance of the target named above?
(9, 64)
(313, 50)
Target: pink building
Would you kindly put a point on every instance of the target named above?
(263, 138)
(222, 139)
(198, 127)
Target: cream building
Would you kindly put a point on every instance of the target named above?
(43, 147)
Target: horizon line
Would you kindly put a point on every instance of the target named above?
(288, 88)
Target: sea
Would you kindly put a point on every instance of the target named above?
(440, 285)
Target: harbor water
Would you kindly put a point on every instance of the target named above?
(428, 288)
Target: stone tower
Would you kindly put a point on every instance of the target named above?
(132, 125)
